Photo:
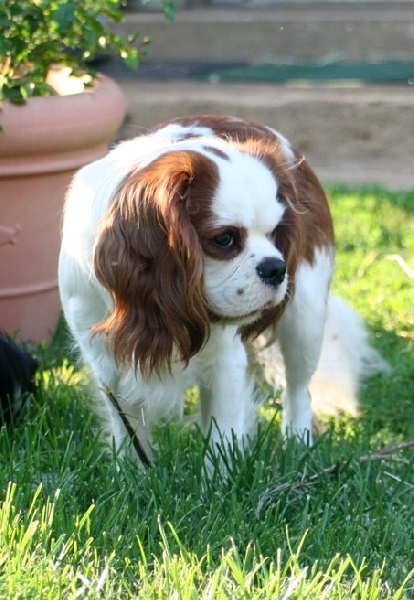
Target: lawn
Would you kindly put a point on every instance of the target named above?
(335, 521)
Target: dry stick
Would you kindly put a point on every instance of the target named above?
(379, 454)
(139, 448)
(396, 478)
(401, 262)
(334, 470)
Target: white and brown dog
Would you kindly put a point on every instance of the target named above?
(180, 246)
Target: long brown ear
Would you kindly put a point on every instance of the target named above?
(148, 256)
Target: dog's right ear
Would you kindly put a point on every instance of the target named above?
(148, 256)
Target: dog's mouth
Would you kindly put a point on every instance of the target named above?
(250, 317)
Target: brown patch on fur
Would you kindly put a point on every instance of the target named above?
(217, 152)
(148, 255)
(225, 127)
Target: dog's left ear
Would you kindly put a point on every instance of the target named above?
(148, 256)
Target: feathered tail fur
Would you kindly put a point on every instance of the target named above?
(347, 358)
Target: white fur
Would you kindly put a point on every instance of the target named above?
(246, 197)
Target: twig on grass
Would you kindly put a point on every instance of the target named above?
(139, 447)
(401, 262)
(398, 479)
(334, 470)
(385, 452)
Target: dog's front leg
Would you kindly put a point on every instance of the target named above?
(300, 334)
(227, 393)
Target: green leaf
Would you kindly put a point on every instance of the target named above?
(14, 94)
(5, 45)
(64, 16)
(131, 58)
(169, 11)
(40, 33)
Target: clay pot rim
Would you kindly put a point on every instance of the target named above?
(69, 125)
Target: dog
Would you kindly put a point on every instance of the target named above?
(17, 371)
(180, 247)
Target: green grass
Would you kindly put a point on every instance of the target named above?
(285, 522)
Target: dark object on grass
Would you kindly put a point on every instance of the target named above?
(17, 369)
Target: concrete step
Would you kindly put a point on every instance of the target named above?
(295, 32)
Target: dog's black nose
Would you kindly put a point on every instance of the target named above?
(272, 271)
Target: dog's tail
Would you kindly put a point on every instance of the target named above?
(347, 358)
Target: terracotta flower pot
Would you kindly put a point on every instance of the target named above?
(41, 146)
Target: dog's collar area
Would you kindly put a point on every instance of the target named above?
(240, 320)
(139, 447)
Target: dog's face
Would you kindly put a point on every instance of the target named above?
(204, 232)
(244, 271)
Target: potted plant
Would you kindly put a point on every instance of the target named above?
(56, 114)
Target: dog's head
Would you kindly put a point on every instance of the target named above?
(208, 231)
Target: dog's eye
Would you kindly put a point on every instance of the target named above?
(224, 240)
(225, 243)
